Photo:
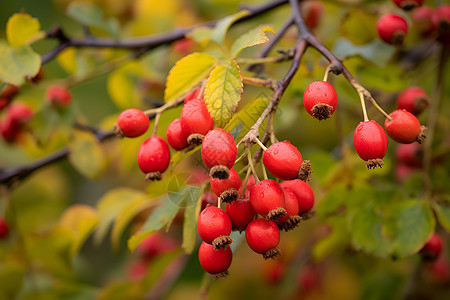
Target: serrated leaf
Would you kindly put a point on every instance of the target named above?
(187, 73)
(223, 92)
(86, 155)
(17, 64)
(219, 32)
(90, 14)
(80, 220)
(110, 205)
(190, 224)
(377, 52)
(23, 29)
(443, 215)
(165, 212)
(251, 38)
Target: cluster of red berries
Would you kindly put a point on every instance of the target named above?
(280, 205)
(393, 28)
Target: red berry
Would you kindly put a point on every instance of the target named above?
(291, 219)
(17, 115)
(441, 21)
(404, 127)
(177, 134)
(263, 237)
(250, 183)
(192, 95)
(227, 189)
(409, 154)
(267, 199)
(414, 100)
(197, 119)
(408, 4)
(219, 152)
(440, 271)
(241, 213)
(303, 192)
(320, 99)
(4, 228)
(214, 226)
(392, 29)
(284, 161)
(312, 11)
(58, 96)
(371, 143)
(432, 248)
(137, 269)
(131, 123)
(422, 17)
(153, 157)
(215, 261)
(156, 244)
(183, 47)
(309, 279)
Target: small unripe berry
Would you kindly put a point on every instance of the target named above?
(320, 99)
(4, 228)
(408, 4)
(153, 157)
(414, 100)
(58, 96)
(215, 261)
(131, 123)
(392, 29)
(219, 152)
(303, 192)
(177, 135)
(404, 127)
(263, 237)
(241, 213)
(267, 199)
(214, 227)
(197, 119)
(371, 143)
(227, 189)
(284, 161)
(432, 248)
(291, 219)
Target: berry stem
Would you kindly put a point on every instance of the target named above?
(250, 163)
(240, 158)
(268, 83)
(247, 176)
(260, 144)
(262, 60)
(327, 71)
(363, 106)
(264, 171)
(155, 126)
(165, 107)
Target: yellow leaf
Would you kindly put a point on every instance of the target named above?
(251, 38)
(80, 220)
(187, 73)
(23, 29)
(223, 92)
(67, 59)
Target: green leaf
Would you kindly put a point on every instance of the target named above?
(11, 278)
(443, 215)
(335, 240)
(90, 14)
(223, 92)
(86, 155)
(414, 224)
(376, 51)
(44, 123)
(111, 204)
(190, 224)
(17, 64)
(163, 215)
(335, 198)
(251, 38)
(23, 29)
(201, 35)
(359, 26)
(219, 32)
(80, 220)
(187, 73)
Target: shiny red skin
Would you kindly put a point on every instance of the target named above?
(409, 154)
(192, 95)
(219, 148)
(432, 248)
(58, 96)
(290, 205)
(283, 160)
(404, 128)
(388, 25)
(370, 140)
(441, 21)
(265, 196)
(214, 261)
(408, 3)
(422, 17)
(4, 228)
(17, 115)
(221, 185)
(319, 92)
(177, 134)
(262, 235)
(196, 117)
(411, 98)
(156, 244)
(241, 212)
(303, 192)
(153, 155)
(212, 223)
(133, 122)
